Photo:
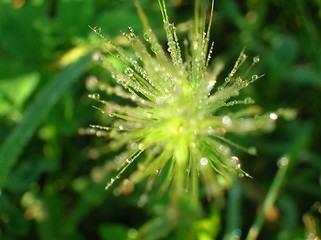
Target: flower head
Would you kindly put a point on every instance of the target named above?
(174, 116)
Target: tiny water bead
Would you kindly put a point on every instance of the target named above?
(147, 37)
(95, 96)
(226, 120)
(91, 82)
(312, 236)
(255, 77)
(283, 161)
(129, 72)
(235, 161)
(211, 84)
(97, 56)
(273, 116)
(204, 161)
(97, 29)
(256, 59)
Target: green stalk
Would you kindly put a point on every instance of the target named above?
(233, 216)
(268, 202)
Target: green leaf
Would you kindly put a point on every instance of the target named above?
(19, 137)
(14, 91)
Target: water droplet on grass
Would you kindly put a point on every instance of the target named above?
(95, 96)
(254, 77)
(129, 72)
(97, 29)
(146, 37)
(226, 120)
(283, 161)
(273, 116)
(204, 161)
(256, 59)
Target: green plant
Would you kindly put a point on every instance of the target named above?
(176, 114)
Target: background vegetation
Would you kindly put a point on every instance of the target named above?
(52, 179)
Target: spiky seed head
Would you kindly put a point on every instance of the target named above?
(175, 119)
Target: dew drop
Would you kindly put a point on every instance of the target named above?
(238, 81)
(121, 128)
(91, 82)
(195, 46)
(210, 130)
(227, 79)
(97, 29)
(141, 146)
(254, 77)
(97, 56)
(134, 146)
(146, 37)
(235, 162)
(129, 160)
(311, 236)
(241, 174)
(226, 120)
(204, 161)
(273, 116)
(283, 161)
(256, 59)
(243, 57)
(129, 72)
(224, 149)
(95, 96)
(211, 83)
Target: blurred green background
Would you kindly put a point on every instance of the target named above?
(52, 178)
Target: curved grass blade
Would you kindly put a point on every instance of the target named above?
(21, 134)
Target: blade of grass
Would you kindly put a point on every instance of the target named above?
(21, 134)
(268, 203)
(291, 158)
(233, 215)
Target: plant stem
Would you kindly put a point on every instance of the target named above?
(268, 202)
